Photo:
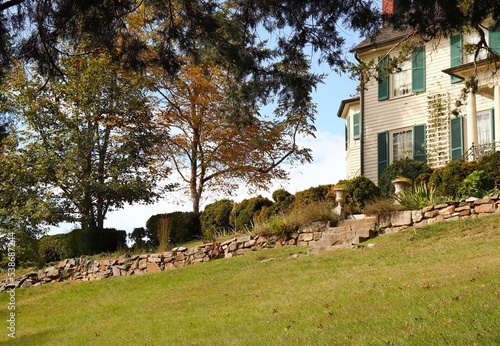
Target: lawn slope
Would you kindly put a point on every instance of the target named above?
(437, 285)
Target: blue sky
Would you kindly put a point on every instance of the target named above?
(328, 166)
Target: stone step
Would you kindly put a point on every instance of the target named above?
(357, 223)
(322, 249)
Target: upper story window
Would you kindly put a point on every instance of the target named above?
(462, 48)
(401, 80)
(409, 78)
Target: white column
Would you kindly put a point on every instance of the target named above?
(496, 106)
(471, 121)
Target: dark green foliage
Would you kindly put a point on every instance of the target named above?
(26, 250)
(216, 216)
(473, 185)
(180, 227)
(313, 194)
(81, 242)
(281, 195)
(152, 225)
(94, 241)
(361, 191)
(246, 211)
(446, 180)
(407, 168)
(138, 236)
(55, 248)
(490, 164)
(183, 227)
(422, 179)
(283, 200)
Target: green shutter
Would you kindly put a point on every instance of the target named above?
(383, 79)
(456, 54)
(419, 151)
(418, 69)
(382, 151)
(494, 41)
(356, 126)
(456, 138)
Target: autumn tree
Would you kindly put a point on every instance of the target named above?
(82, 143)
(211, 153)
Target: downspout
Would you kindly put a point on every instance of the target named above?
(362, 111)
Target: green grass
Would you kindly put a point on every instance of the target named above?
(438, 285)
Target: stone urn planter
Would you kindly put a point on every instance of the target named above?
(400, 184)
(340, 196)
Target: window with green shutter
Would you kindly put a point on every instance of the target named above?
(356, 126)
(419, 142)
(347, 131)
(383, 79)
(494, 41)
(456, 54)
(418, 70)
(382, 151)
(456, 138)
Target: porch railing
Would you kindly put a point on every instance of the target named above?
(475, 152)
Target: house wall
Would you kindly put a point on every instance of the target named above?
(415, 109)
(353, 146)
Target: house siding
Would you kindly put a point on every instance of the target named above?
(353, 148)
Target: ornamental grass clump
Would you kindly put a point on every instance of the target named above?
(418, 197)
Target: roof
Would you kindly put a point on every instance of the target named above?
(345, 103)
(384, 35)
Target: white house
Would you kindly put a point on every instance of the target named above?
(418, 111)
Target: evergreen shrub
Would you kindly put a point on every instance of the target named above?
(407, 168)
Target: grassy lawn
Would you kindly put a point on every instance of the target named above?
(438, 285)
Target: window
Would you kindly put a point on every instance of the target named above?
(400, 144)
(401, 80)
(461, 45)
(409, 78)
(484, 128)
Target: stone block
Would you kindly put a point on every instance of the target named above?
(420, 224)
(244, 239)
(53, 274)
(431, 214)
(447, 211)
(417, 216)
(481, 201)
(464, 212)
(435, 219)
(401, 218)
(306, 237)
(152, 267)
(116, 271)
(462, 208)
(441, 206)
(250, 243)
(484, 208)
(143, 263)
(427, 209)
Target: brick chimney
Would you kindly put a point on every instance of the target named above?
(389, 7)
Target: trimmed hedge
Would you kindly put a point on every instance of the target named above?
(81, 242)
(180, 227)
(216, 216)
(246, 211)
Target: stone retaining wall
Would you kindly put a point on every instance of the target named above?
(87, 269)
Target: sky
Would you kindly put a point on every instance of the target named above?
(328, 166)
